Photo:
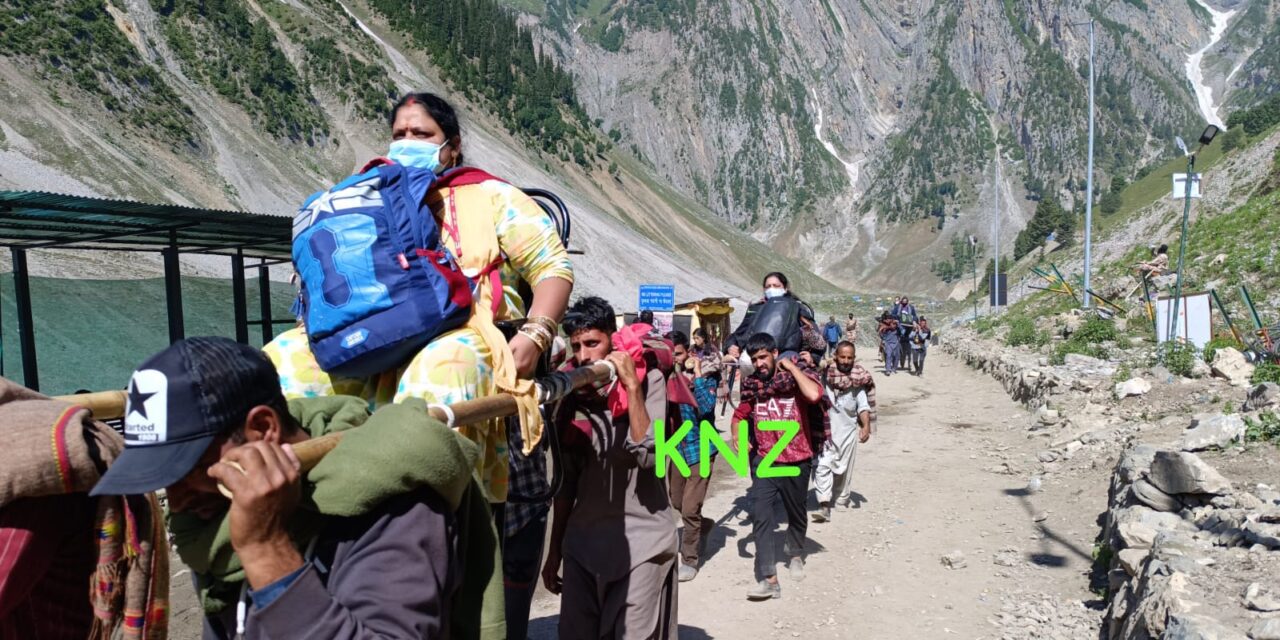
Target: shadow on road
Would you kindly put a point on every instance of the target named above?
(548, 628)
(1048, 536)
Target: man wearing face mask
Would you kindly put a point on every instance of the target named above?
(779, 313)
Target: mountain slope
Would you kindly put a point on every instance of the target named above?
(842, 130)
(253, 104)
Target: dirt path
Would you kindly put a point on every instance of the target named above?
(926, 487)
(946, 470)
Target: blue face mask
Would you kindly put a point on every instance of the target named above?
(774, 292)
(418, 154)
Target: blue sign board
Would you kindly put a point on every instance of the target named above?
(657, 297)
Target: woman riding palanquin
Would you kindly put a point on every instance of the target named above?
(499, 237)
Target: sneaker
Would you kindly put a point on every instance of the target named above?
(764, 590)
(823, 514)
(687, 572)
(797, 568)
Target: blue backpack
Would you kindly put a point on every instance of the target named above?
(377, 285)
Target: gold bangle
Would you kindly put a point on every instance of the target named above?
(545, 322)
(539, 335)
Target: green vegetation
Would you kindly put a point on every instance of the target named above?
(487, 56)
(1266, 372)
(1178, 357)
(1245, 236)
(1257, 119)
(961, 263)
(1233, 139)
(951, 135)
(1049, 217)
(220, 44)
(78, 42)
(1088, 340)
(1265, 427)
(366, 86)
(1022, 331)
(612, 37)
(1261, 64)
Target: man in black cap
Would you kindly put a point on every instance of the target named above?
(209, 411)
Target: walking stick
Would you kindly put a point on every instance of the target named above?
(110, 404)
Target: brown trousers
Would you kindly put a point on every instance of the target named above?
(687, 496)
(639, 606)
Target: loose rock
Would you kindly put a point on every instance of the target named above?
(1230, 364)
(1262, 396)
(1176, 472)
(1213, 431)
(1132, 387)
(1186, 626)
(1153, 497)
(954, 560)
(1266, 630)
(1258, 600)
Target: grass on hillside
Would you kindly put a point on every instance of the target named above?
(1156, 185)
(90, 334)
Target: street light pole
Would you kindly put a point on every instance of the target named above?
(1182, 247)
(1206, 138)
(973, 258)
(1088, 202)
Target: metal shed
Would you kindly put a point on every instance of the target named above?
(40, 220)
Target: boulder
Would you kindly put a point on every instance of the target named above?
(1081, 361)
(1213, 431)
(1200, 369)
(1176, 472)
(1132, 387)
(1135, 463)
(1263, 528)
(1047, 416)
(1150, 495)
(1186, 626)
(1259, 600)
(1262, 396)
(1230, 364)
(1138, 527)
(1268, 629)
(1131, 560)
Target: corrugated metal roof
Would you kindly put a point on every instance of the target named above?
(37, 219)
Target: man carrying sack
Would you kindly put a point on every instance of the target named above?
(55, 539)
(388, 535)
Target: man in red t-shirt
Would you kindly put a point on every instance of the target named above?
(779, 390)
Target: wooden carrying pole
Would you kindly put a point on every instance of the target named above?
(107, 405)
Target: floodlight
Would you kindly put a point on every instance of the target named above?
(1209, 133)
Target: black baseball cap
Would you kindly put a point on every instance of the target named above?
(180, 400)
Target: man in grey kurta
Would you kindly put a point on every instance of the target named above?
(613, 527)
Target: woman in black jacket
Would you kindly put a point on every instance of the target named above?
(779, 313)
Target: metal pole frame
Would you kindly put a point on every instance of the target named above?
(238, 301)
(26, 325)
(1088, 202)
(1182, 245)
(264, 301)
(173, 289)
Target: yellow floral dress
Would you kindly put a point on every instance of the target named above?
(458, 365)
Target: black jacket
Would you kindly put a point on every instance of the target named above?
(778, 317)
